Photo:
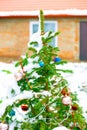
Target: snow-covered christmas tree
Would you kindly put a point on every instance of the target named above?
(43, 100)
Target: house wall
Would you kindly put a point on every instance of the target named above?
(14, 37)
(69, 39)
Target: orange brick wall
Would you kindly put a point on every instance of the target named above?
(14, 37)
(69, 39)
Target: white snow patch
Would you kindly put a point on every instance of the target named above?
(46, 12)
(60, 128)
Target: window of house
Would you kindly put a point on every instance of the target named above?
(48, 26)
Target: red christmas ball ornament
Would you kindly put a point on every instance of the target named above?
(75, 107)
(66, 100)
(24, 107)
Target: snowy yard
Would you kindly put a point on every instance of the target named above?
(77, 82)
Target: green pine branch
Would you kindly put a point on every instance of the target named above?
(41, 22)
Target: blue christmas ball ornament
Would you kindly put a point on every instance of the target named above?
(57, 59)
(12, 113)
(41, 63)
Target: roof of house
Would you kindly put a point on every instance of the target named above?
(21, 5)
(53, 7)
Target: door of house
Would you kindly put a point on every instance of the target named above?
(83, 40)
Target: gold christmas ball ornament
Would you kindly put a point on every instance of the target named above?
(18, 76)
(3, 126)
(66, 100)
(66, 91)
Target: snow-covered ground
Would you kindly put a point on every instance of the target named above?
(77, 81)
